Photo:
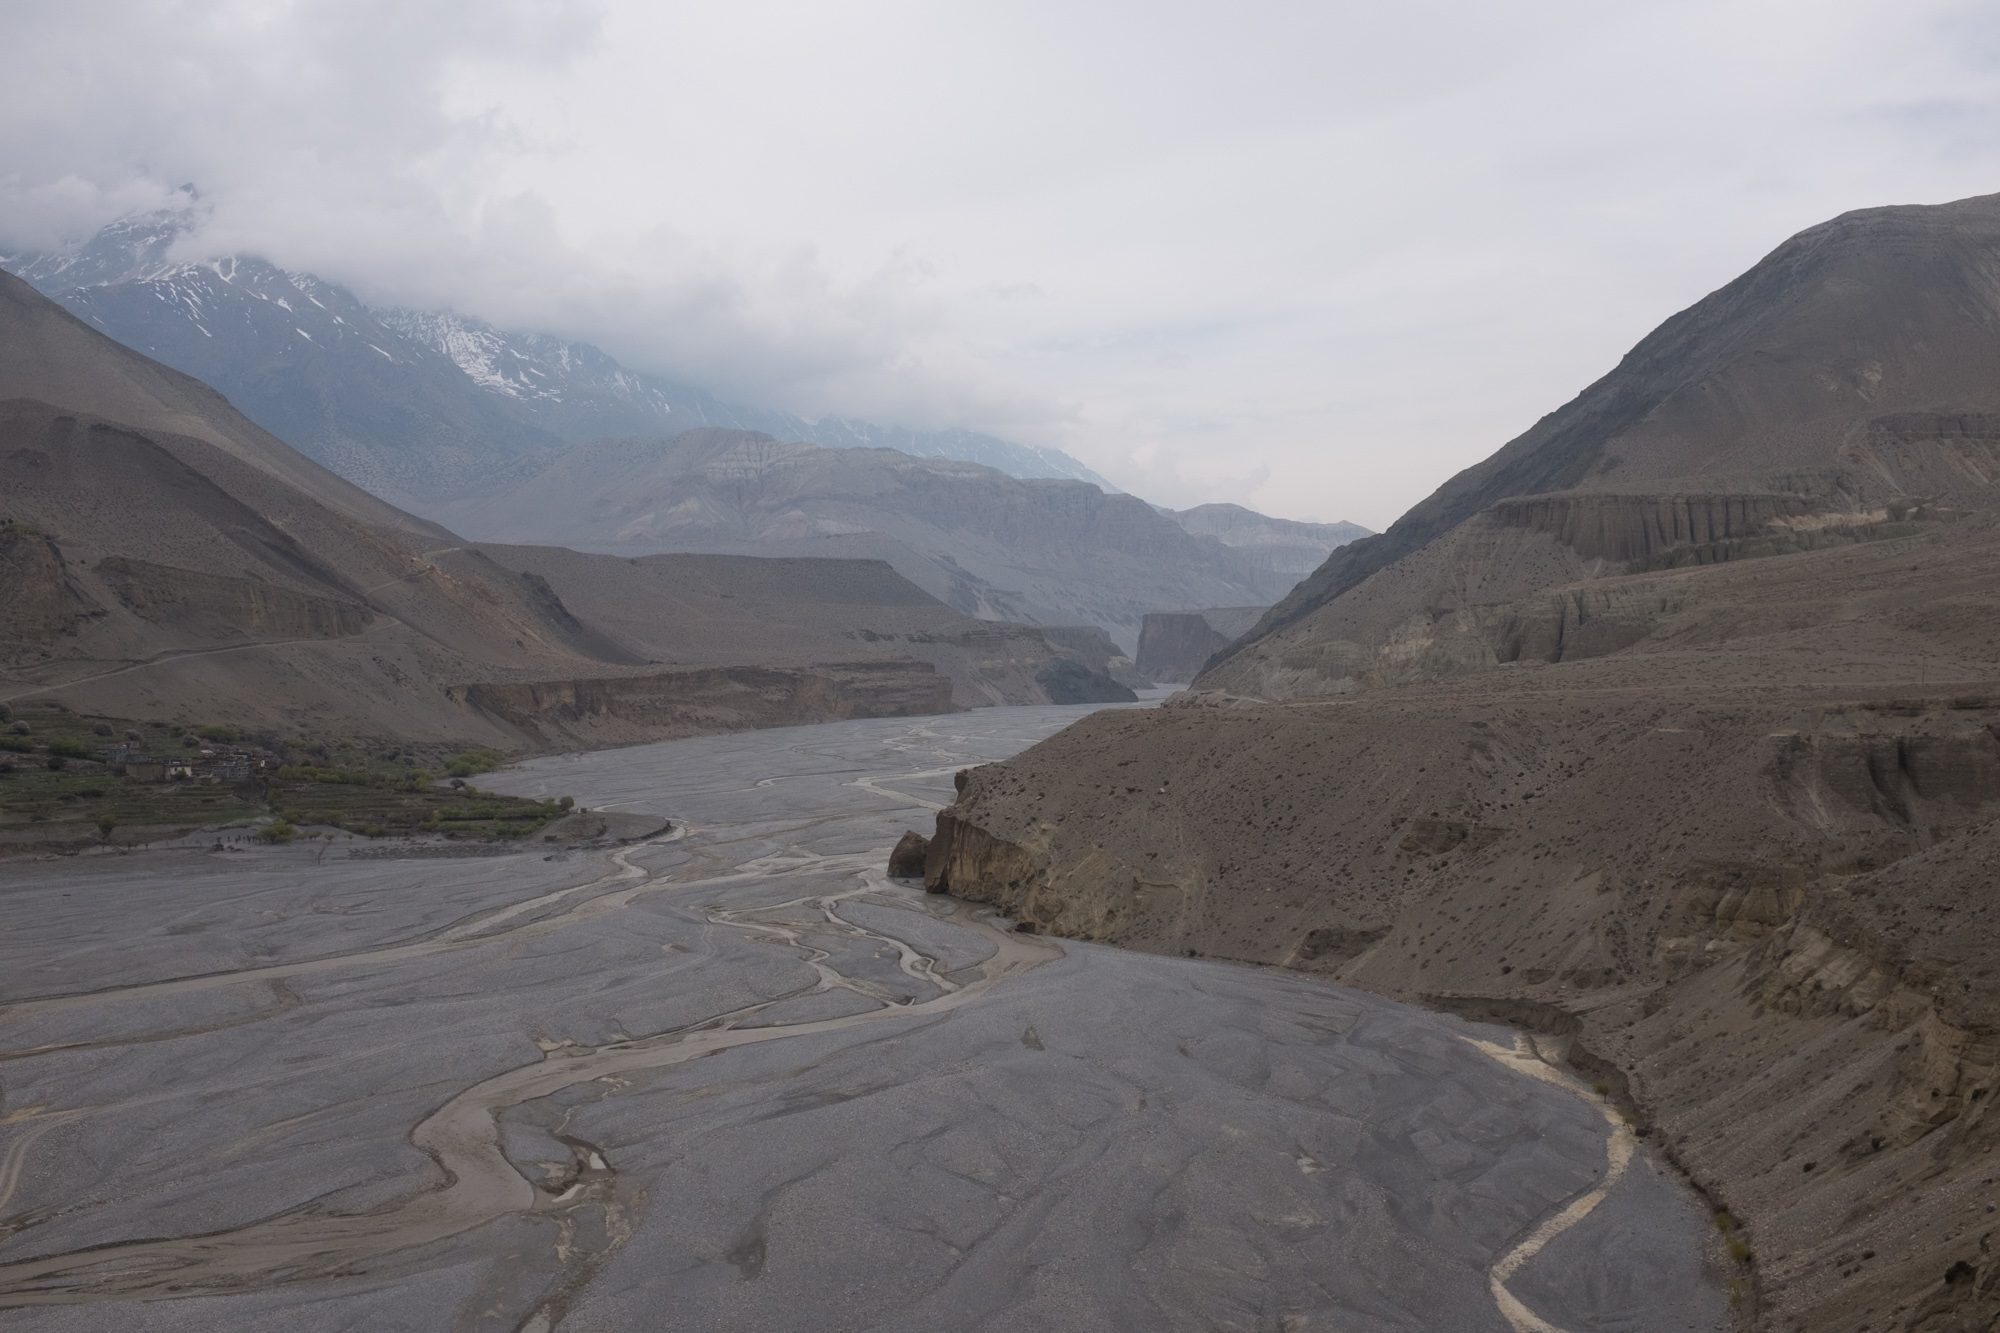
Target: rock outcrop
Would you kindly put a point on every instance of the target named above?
(906, 859)
(1068, 681)
(1093, 647)
(1175, 645)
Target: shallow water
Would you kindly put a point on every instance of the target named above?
(734, 1078)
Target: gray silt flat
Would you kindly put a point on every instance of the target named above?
(1105, 1141)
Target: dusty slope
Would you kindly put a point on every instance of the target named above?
(208, 572)
(49, 355)
(1847, 374)
(1045, 552)
(1675, 729)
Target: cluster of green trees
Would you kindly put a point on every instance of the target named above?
(415, 779)
(469, 762)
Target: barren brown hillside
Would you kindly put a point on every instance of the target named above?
(179, 563)
(1674, 729)
(1847, 378)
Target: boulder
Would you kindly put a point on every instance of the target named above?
(907, 861)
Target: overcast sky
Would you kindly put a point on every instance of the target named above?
(1311, 257)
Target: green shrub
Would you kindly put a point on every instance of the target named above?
(16, 744)
(280, 830)
(218, 732)
(56, 763)
(70, 749)
(469, 762)
(565, 802)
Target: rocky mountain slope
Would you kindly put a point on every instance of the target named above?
(1673, 731)
(168, 559)
(1843, 380)
(411, 404)
(998, 547)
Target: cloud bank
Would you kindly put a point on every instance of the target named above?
(1312, 257)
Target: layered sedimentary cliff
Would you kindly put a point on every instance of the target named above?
(700, 700)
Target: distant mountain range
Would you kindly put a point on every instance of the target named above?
(1282, 547)
(528, 437)
(414, 405)
(1047, 552)
(164, 558)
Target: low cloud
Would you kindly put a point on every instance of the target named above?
(1312, 257)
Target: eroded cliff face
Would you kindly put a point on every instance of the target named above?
(1175, 645)
(1774, 922)
(1094, 648)
(701, 700)
(1518, 585)
(44, 599)
(215, 607)
(1633, 528)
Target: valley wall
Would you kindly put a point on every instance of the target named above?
(1769, 918)
(700, 700)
